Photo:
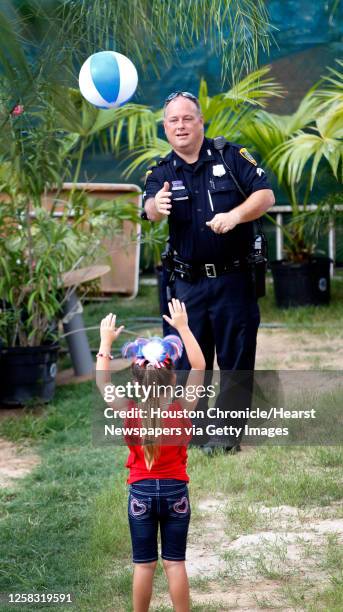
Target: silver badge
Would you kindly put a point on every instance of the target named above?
(218, 170)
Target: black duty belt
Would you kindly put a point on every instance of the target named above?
(192, 271)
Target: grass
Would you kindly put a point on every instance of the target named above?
(242, 519)
(329, 596)
(273, 476)
(128, 311)
(51, 539)
(314, 319)
(311, 318)
(317, 319)
(64, 527)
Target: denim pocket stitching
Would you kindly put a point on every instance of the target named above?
(177, 506)
(141, 504)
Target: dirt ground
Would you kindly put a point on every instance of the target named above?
(279, 349)
(15, 462)
(246, 572)
(250, 572)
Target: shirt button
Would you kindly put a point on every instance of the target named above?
(196, 191)
(202, 229)
(198, 209)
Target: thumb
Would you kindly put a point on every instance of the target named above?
(166, 186)
(120, 329)
(168, 320)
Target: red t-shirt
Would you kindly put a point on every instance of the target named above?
(172, 460)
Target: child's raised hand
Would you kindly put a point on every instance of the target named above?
(178, 314)
(108, 331)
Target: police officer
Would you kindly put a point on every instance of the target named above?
(211, 232)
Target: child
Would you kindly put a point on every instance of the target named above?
(158, 491)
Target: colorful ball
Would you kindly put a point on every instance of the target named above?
(108, 79)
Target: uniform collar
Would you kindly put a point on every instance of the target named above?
(205, 155)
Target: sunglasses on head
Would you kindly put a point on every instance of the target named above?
(184, 94)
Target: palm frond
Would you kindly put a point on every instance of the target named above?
(236, 30)
(226, 113)
(266, 132)
(331, 86)
(76, 115)
(13, 61)
(229, 123)
(255, 88)
(137, 117)
(145, 156)
(305, 113)
(291, 157)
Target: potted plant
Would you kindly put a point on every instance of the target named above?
(296, 147)
(45, 129)
(37, 247)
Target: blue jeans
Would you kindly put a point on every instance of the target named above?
(154, 502)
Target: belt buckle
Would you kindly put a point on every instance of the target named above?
(210, 270)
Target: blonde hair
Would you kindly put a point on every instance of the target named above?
(151, 378)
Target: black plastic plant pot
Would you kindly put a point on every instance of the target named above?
(301, 284)
(28, 374)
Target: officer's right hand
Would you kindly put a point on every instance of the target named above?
(163, 200)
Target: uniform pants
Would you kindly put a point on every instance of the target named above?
(224, 315)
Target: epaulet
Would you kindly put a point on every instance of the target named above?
(165, 160)
(159, 162)
(149, 171)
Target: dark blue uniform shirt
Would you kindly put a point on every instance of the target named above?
(201, 190)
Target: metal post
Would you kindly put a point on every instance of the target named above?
(332, 245)
(77, 340)
(279, 237)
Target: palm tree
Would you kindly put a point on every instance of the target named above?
(322, 141)
(226, 114)
(295, 146)
(150, 32)
(42, 44)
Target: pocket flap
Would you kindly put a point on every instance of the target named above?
(227, 185)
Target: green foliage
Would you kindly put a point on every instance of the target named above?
(295, 147)
(39, 239)
(85, 122)
(64, 527)
(237, 31)
(154, 239)
(225, 114)
(36, 248)
(64, 33)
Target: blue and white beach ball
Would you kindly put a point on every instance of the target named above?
(108, 79)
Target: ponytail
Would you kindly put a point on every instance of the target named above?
(151, 445)
(151, 377)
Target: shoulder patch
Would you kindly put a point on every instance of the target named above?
(244, 153)
(147, 173)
